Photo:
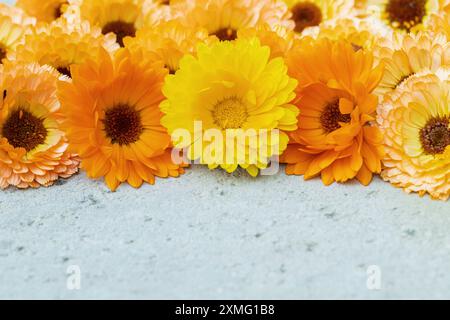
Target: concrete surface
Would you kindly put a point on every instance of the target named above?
(209, 235)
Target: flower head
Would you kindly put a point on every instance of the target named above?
(231, 88)
(404, 15)
(120, 17)
(224, 18)
(33, 149)
(112, 118)
(362, 34)
(279, 39)
(406, 55)
(14, 24)
(311, 13)
(169, 40)
(336, 136)
(62, 45)
(44, 11)
(416, 127)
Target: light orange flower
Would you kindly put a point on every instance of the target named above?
(62, 44)
(14, 25)
(44, 11)
(113, 119)
(224, 18)
(170, 41)
(278, 38)
(416, 127)
(33, 149)
(336, 138)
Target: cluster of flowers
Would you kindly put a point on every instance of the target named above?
(355, 88)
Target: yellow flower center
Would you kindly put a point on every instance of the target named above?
(306, 14)
(230, 113)
(121, 29)
(226, 34)
(405, 14)
(331, 117)
(435, 136)
(123, 125)
(24, 130)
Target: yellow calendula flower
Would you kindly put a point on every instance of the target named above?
(224, 18)
(169, 40)
(311, 13)
(404, 15)
(62, 45)
(120, 17)
(231, 90)
(14, 24)
(406, 55)
(44, 11)
(112, 118)
(416, 126)
(33, 148)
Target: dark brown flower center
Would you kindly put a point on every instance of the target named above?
(405, 14)
(435, 136)
(59, 10)
(226, 34)
(121, 29)
(402, 80)
(123, 124)
(331, 117)
(3, 54)
(24, 130)
(306, 14)
(65, 71)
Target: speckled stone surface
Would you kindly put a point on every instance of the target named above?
(210, 235)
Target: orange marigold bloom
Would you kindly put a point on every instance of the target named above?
(112, 118)
(224, 18)
(278, 38)
(336, 136)
(33, 149)
(170, 41)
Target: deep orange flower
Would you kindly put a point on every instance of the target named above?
(113, 119)
(336, 138)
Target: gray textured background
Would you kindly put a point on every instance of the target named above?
(213, 236)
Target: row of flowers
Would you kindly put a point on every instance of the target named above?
(354, 88)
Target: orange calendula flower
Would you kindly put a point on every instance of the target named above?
(44, 11)
(416, 127)
(62, 45)
(33, 148)
(112, 119)
(224, 18)
(336, 138)
(278, 38)
(120, 17)
(309, 14)
(170, 41)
